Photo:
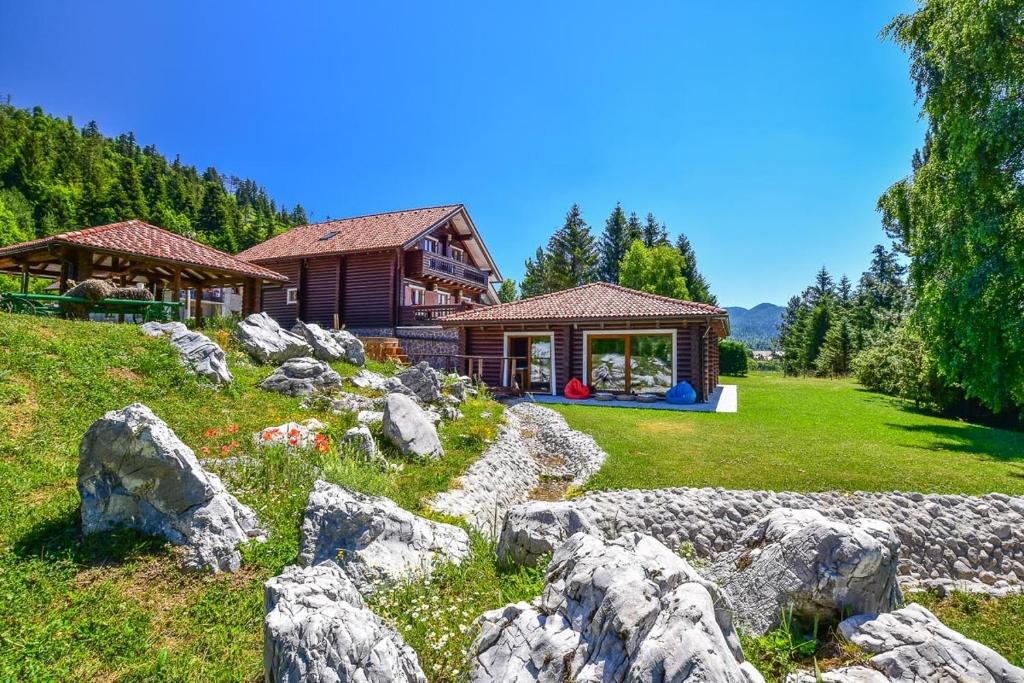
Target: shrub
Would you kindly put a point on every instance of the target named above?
(898, 364)
(732, 357)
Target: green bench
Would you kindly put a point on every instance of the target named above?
(49, 305)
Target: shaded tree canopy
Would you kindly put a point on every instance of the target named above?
(55, 177)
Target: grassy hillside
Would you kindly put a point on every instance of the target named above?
(115, 606)
(803, 434)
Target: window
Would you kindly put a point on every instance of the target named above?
(530, 360)
(416, 296)
(458, 255)
(443, 298)
(291, 296)
(328, 235)
(634, 363)
(432, 245)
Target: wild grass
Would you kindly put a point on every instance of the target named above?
(115, 606)
(802, 434)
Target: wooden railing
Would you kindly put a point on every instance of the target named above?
(53, 305)
(428, 315)
(421, 263)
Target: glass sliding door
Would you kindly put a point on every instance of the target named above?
(650, 363)
(540, 364)
(632, 363)
(608, 363)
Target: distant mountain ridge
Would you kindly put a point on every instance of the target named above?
(757, 327)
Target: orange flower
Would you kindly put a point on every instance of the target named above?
(323, 444)
(293, 441)
(205, 450)
(232, 428)
(224, 450)
(210, 433)
(293, 432)
(233, 445)
(269, 434)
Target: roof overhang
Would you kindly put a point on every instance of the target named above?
(667, 322)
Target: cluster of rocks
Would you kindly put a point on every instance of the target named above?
(134, 472)
(198, 353)
(317, 627)
(331, 345)
(301, 377)
(266, 341)
(534, 444)
(947, 541)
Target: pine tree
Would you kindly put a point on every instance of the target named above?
(695, 282)
(507, 291)
(298, 215)
(836, 350)
(572, 256)
(614, 242)
(128, 199)
(535, 278)
(654, 235)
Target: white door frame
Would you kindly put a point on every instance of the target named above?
(604, 332)
(540, 333)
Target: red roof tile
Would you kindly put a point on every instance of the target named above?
(135, 238)
(361, 233)
(595, 301)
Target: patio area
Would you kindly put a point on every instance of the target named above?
(722, 400)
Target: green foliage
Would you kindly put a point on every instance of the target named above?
(899, 364)
(733, 357)
(618, 235)
(658, 270)
(570, 259)
(654, 234)
(836, 350)
(779, 652)
(960, 215)
(507, 291)
(696, 283)
(55, 177)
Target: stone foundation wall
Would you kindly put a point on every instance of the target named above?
(432, 344)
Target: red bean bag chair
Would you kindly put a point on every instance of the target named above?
(576, 390)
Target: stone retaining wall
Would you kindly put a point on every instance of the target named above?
(945, 538)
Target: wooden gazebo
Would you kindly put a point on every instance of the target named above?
(133, 252)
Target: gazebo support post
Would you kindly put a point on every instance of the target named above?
(199, 307)
(24, 278)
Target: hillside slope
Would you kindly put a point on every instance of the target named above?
(757, 327)
(116, 606)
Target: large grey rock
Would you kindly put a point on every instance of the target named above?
(301, 377)
(361, 440)
(368, 379)
(133, 471)
(265, 340)
(324, 345)
(820, 569)
(355, 352)
(423, 380)
(846, 674)
(533, 530)
(409, 428)
(317, 629)
(622, 610)
(912, 645)
(198, 352)
(373, 539)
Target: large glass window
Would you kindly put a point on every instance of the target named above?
(637, 363)
(650, 363)
(540, 363)
(608, 363)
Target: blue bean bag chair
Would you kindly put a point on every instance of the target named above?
(681, 394)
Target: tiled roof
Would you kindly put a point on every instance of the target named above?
(135, 238)
(595, 301)
(361, 233)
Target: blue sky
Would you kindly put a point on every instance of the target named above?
(765, 131)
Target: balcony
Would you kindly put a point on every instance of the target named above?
(431, 266)
(428, 315)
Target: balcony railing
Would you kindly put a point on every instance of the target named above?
(428, 315)
(419, 263)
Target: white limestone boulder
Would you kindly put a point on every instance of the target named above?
(133, 471)
(368, 379)
(317, 629)
(198, 353)
(816, 567)
(911, 644)
(423, 381)
(325, 347)
(409, 428)
(301, 377)
(291, 435)
(533, 530)
(360, 440)
(373, 539)
(265, 340)
(355, 352)
(622, 610)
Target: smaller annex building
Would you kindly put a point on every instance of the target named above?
(611, 338)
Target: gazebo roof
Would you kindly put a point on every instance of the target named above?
(134, 249)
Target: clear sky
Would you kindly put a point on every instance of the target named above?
(765, 131)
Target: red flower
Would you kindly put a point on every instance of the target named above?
(210, 433)
(293, 441)
(293, 432)
(269, 434)
(322, 443)
(233, 445)
(224, 450)
(205, 450)
(232, 428)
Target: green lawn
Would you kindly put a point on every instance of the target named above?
(115, 606)
(802, 434)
